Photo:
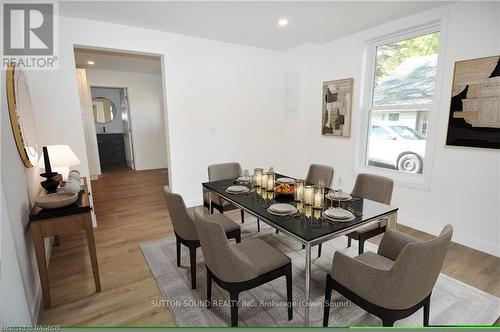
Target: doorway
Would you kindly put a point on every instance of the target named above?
(123, 110)
(112, 126)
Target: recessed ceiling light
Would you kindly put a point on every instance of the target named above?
(90, 62)
(282, 22)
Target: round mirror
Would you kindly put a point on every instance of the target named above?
(21, 116)
(104, 110)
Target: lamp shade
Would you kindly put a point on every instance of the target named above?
(61, 156)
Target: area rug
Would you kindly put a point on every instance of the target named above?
(452, 302)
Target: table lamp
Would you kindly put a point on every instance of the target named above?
(61, 158)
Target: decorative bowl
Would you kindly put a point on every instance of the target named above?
(56, 200)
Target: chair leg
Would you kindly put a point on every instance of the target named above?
(277, 231)
(258, 225)
(234, 308)
(328, 298)
(212, 209)
(242, 216)
(238, 237)
(192, 256)
(178, 245)
(209, 289)
(303, 246)
(387, 322)
(361, 245)
(319, 249)
(349, 241)
(289, 296)
(427, 309)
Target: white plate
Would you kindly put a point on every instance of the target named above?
(342, 196)
(285, 180)
(338, 213)
(237, 189)
(282, 208)
(338, 220)
(244, 179)
(294, 211)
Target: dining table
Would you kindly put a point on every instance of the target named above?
(309, 226)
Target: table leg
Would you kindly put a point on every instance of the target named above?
(39, 244)
(392, 220)
(308, 282)
(209, 202)
(92, 252)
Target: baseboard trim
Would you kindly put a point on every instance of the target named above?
(467, 241)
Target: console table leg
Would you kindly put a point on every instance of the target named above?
(93, 255)
(39, 244)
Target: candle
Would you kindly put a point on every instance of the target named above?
(319, 193)
(299, 190)
(258, 177)
(308, 195)
(270, 181)
(317, 199)
(263, 181)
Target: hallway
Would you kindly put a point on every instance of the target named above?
(130, 210)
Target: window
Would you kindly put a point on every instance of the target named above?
(404, 74)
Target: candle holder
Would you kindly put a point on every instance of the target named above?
(257, 177)
(308, 195)
(270, 179)
(298, 193)
(318, 197)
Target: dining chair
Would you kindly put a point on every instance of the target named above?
(242, 266)
(185, 231)
(218, 172)
(320, 174)
(376, 188)
(393, 283)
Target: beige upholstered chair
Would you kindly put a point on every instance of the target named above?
(320, 174)
(218, 172)
(395, 282)
(242, 266)
(185, 231)
(376, 188)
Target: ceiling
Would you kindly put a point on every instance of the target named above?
(250, 23)
(116, 61)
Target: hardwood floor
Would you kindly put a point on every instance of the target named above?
(130, 210)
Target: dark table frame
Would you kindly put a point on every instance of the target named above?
(390, 215)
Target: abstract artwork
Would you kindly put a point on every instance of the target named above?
(474, 118)
(337, 97)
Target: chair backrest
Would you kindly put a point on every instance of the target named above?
(374, 187)
(223, 171)
(320, 174)
(182, 221)
(417, 268)
(224, 261)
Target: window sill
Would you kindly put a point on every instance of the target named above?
(414, 181)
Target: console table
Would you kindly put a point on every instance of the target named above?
(70, 219)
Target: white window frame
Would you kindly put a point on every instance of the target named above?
(417, 181)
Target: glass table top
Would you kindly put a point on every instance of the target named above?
(309, 225)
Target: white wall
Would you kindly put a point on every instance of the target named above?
(19, 282)
(217, 95)
(146, 113)
(464, 187)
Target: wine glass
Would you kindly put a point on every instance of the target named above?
(339, 192)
